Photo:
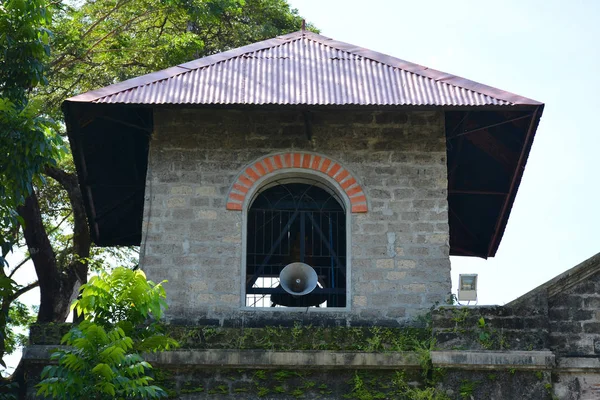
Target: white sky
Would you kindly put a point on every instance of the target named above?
(544, 50)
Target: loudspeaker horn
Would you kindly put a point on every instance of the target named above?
(298, 279)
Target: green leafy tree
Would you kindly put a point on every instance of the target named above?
(94, 43)
(28, 141)
(102, 361)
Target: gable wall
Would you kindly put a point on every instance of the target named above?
(400, 264)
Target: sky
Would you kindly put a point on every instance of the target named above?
(544, 50)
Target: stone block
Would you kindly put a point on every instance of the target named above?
(406, 264)
(359, 301)
(385, 263)
(174, 202)
(396, 275)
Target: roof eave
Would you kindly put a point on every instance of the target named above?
(516, 181)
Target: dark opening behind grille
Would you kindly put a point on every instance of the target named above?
(277, 221)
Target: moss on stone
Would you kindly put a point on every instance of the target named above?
(300, 338)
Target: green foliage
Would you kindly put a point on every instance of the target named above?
(539, 375)
(221, 389)
(100, 365)
(299, 337)
(20, 316)
(101, 361)
(467, 388)
(365, 388)
(9, 391)
(488, 337)
(28, 141)
(123, 295)
(24, 38)
(262, 391)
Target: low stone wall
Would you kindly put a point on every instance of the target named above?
(543, 345)
(490, 328)
(256, 374)
(326, 363)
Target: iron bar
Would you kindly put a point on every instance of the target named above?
(279, 290)
(332, 252)
(252, 280)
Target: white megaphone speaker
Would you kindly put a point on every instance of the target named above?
(298, 279)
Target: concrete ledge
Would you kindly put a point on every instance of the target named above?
(578, 364)
(518, 360)
(285, 359)
(39, 352)
(473, 360)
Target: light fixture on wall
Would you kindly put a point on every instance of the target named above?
(467, 287)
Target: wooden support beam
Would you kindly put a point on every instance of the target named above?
(487, 143)
(482, 128)
(476, 192)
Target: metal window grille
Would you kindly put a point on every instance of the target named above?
(290, 223)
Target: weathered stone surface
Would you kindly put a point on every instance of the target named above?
(285, 359)
(536, 360)
(398, 159)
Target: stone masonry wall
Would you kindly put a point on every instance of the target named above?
(574, 316)
(399, 260)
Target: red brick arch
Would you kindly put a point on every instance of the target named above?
(266, 165)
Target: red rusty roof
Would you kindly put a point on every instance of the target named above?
(302, 68)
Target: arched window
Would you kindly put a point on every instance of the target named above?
(296, 222)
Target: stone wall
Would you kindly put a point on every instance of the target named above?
(506, 352)
(399, 259)
(562, 315)
(310, 362)
(574, 314)
(491, 328)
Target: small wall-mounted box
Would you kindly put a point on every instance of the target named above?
(467, 287)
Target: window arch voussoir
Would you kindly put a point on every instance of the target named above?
(348, 184)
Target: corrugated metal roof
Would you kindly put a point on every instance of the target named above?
(302, 68)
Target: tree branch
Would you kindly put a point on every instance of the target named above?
(42, 255)
(120, 4)
(102, 39)
(19, 265)
(81, 234)
(22, 291)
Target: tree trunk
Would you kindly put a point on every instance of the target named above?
(59, 285)
(56, 287)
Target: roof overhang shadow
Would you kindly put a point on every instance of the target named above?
(110, 149)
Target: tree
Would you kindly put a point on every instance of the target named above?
(28, 141)
(94, 43)
(102, 361)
